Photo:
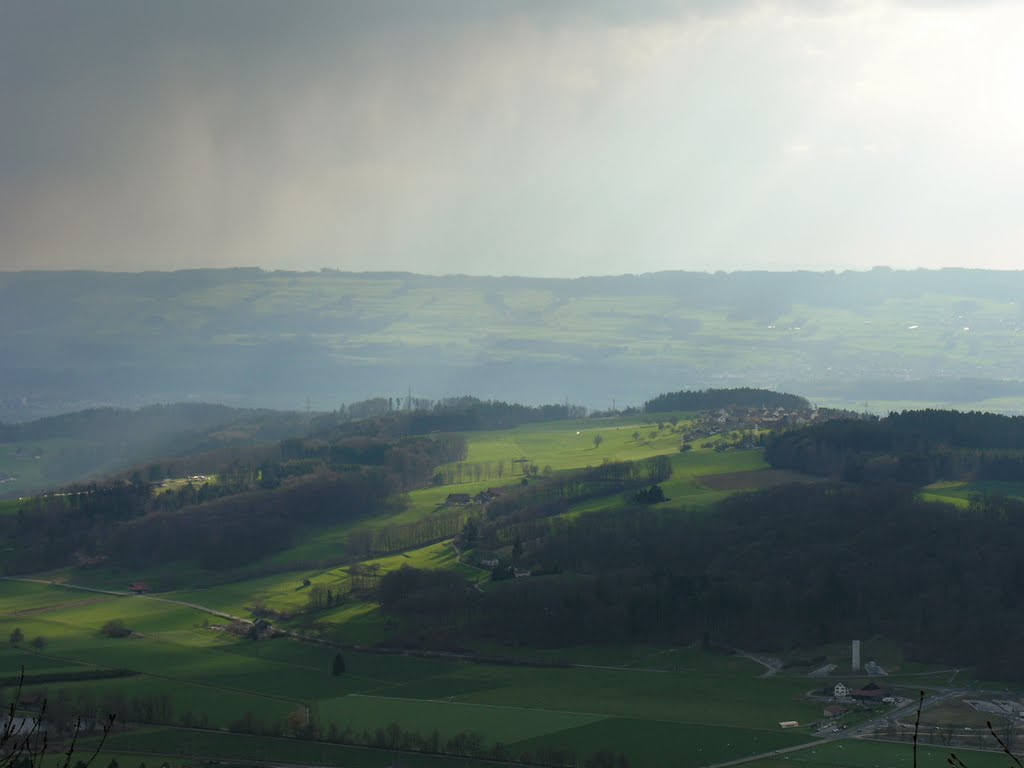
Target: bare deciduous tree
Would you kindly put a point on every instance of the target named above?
(24, 739)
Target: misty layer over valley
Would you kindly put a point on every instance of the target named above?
(249, 338)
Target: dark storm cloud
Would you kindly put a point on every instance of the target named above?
(543, 136)
(91, 93)
(69, 69)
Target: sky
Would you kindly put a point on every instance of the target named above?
(529, 137)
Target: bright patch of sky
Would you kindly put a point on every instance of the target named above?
(553, 139)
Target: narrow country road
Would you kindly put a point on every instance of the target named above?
(771, 665)
(116, 593)
(763, 755)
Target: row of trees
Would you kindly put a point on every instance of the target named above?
(17, 637)
(303, 724)
(470, 472)
(67, 716)
(366, 542)
(530, 512)
(602, 480)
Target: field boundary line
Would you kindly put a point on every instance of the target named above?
(51, 583)
(597, 715)
(183, 681)
(383, 683)
(291, 740)
(60, 606)
(630, 669)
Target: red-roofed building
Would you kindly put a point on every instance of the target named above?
(870, 692)
(138, 588)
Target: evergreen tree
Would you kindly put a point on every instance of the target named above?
(338, 667)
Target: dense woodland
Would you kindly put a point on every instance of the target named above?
(391, 417)
(711, 399)
(797, 566)
(917, 447)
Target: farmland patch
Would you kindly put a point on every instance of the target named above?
(753, 480)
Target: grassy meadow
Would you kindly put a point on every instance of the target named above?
(645, 701)
(216, 678)
(959, 493)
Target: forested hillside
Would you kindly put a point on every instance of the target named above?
(98, 442)
(260, 504)
(792, 567)
(913, 446)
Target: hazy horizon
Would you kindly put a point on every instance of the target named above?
(511, 275)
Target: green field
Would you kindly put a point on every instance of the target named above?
(645, 701)
(880, 754)
(214, 676)
(649, 742)
(570, 444)
(959, 493)
(151, 745)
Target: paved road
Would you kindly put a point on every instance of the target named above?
(772, 666)
(764, 755)
(849, 733)
(894, 714)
